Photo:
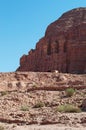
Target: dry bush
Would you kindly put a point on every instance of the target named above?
(70, 92)
(68, 108)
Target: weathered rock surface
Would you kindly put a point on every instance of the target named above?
(84, 105)
(63, 47)
(29, 81)
(33, 97)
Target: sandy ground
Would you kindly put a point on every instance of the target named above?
(41, 127)
(47, 127)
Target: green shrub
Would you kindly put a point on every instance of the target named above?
(1, 127)
(70, 92)
(68, 108)
(39, 104)
(24, 108)
(3, 93)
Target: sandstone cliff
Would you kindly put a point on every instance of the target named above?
(63, 47)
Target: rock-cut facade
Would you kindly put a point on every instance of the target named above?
(63, 47)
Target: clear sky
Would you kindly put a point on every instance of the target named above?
(23, 23)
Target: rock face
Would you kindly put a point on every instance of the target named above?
(32, 98)
(84, 105)
(63, 47)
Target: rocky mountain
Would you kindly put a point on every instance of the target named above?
(49, 100)
(63, 47)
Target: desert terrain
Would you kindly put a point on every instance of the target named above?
(30, 101)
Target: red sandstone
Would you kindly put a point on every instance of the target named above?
(63, 47)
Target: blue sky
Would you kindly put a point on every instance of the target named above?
(23, 23)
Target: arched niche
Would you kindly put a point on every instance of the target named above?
(49, 48)
(56, 47)
(65, 47)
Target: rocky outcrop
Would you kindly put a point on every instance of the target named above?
(28, 98)
(84, 105)
(30, 81)
(63, 47)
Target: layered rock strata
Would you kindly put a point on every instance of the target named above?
(63, 47)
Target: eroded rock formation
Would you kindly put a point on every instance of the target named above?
(63, 47)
